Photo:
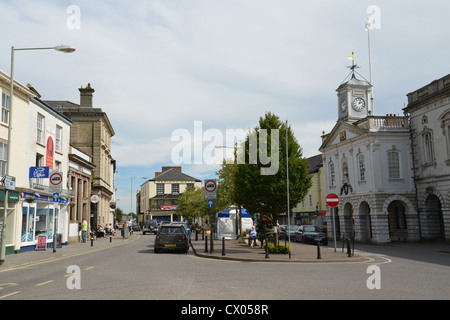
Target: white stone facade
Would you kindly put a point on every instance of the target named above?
(429, 110)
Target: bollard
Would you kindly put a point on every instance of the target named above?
(203, 234)
(54, 242)
(318, 249)
(211, 249)
(92, 239)
(206, 244)
(196, 235)
(349, 251)
(223, 246)
(110, 238)
(267, 249)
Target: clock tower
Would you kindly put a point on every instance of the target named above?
(354, 98)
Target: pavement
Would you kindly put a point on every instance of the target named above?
(233, 250)
(301, 253)
(24, 259)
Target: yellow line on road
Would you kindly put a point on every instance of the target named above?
(41, 284)
(10, 294)
(65, 257)
(89, 268)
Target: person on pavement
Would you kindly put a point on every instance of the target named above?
(84, 230)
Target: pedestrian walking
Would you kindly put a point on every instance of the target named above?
(84, 230)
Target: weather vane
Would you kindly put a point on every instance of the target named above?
(354, 65)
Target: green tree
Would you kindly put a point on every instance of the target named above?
(267, 193)
(118, 214)
(192, 203)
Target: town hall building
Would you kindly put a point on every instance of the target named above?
(367, 162)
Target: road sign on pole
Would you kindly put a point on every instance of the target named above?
(210, 189)
(332, 200)
(211, 203)
(55, 185)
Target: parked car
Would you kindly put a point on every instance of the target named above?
(186, 227)
(136, 227)
(310, 234)
(284, 231)
(150, 226)
(171, 237)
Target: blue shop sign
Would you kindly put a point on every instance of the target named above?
(39, 172)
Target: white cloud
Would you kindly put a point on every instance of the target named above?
(161, 65)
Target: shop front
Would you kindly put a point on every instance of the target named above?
(42, 218)
(13, 199)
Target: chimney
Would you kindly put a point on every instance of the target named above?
(86, 95)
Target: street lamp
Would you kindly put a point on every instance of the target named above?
(61, 48)
(131, 194)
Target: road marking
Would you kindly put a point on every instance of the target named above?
(10, 294)
(65, 257)
(43, 283)
(8, 284)
(89, 268)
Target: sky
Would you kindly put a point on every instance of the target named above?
(161, 67)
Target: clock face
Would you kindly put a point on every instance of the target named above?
(359, 104)
(343, 105)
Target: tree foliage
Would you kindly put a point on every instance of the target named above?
(192, 203)
(267, 194)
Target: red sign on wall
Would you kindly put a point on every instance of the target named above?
(50, 151)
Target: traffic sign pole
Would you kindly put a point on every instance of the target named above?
(334, 229)
(332, 200)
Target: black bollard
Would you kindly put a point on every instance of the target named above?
(110, 238)
(206, 244)
(349, 251)
(92, 239)
(211, 249)
(203, 234)
(54, 242)
(223, 246)
(196, 235)
(267, 249)
(318, 249)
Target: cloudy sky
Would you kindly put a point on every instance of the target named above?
(158, 66)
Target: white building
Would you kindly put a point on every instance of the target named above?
(367, 162)
(429, 109)
(40, 137)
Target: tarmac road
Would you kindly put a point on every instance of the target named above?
(130, 270)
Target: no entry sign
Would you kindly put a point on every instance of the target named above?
(332, 200)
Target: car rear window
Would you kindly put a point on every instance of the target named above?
(170, 229)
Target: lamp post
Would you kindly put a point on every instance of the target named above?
(131, 194)
(61, 48)
(367, 27)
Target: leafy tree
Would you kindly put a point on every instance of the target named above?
(264, 193)
(192, 203)
(118, 214)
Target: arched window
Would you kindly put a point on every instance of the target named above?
(427, 138)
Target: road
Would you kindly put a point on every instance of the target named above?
(134, 272)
